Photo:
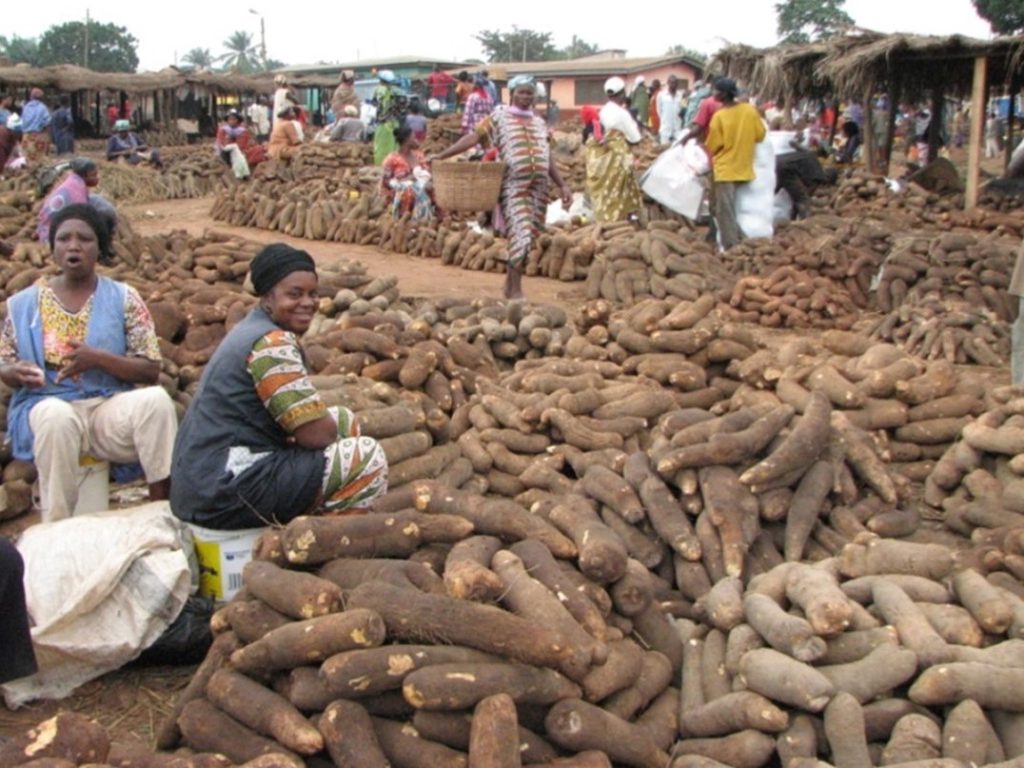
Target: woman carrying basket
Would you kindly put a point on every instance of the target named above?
(521, 139)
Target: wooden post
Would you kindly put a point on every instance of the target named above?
(870, 153)
(935, 126)
(890, 130)
(977, 131)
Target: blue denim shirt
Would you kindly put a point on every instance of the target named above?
(35, 117)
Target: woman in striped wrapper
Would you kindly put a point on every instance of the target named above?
(520, 137)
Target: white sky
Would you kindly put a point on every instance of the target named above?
(348, 31)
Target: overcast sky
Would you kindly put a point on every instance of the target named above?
(349, 31)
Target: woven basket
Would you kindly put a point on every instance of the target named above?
(467, 186)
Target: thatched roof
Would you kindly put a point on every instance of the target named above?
(66, 77)
(853, 65)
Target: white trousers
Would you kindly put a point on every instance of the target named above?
(138, 425)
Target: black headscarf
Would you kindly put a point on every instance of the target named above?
(274, 263)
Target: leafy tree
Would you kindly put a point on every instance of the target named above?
(800, 21)
(200, 58)
(682, 50)
(517, 45)
(1005, 17)
(111, 48)
(241, 56)
(20, 50)
(578, 48)
(271, 64)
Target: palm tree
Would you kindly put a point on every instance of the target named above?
(200, 58)
(241, 54)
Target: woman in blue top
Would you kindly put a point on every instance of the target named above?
(73, 348)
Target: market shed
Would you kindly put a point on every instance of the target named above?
(903, 66)
(158, 96)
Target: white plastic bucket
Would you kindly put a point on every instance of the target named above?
(222, 555)
(93, 477)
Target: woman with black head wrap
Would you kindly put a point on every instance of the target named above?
(258, 445)
(73, 348)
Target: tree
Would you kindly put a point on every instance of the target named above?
(271, 64)
(241, 55)
(578, 48)
(800, 21)
(111, 48)
(1005, 17)
(517, 45)
(682, 50)
(200, 58)
(20, 50)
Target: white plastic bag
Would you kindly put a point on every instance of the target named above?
(556, 214)
(674, 179)
(755, 199)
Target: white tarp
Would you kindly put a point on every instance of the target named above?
(100, 589)
(674, 178)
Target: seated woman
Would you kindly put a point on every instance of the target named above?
(848, 152)
(73, 348)
(124, 145)
(285, 136)
(405, 183)
(237, 147)
(258, 446)
(73, 189)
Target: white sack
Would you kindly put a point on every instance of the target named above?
(100, 590)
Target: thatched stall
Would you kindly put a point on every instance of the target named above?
(906, 67)
(157, 96)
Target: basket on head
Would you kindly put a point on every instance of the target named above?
(467, 186)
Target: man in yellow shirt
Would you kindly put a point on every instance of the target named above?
(734, 130)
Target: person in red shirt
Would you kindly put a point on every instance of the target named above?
(113, 115)
(441, 85)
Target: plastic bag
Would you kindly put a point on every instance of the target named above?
(674, 179)
(188, 638)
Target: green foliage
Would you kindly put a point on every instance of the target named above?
(517, 45)
(578, 49)
(111, 48)
(200, 58)
(20, 50)
(241, 56)
(1005, 17)
(271, 64)
(682, 50)
(801, 21)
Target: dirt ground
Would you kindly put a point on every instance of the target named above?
(416, 277)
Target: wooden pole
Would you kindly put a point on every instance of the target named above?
(890, 130)
(977, 132)
(870, 153)
(935, 126)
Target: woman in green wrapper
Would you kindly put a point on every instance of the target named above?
(611, 179)
(389, 116)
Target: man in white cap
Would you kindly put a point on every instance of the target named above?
(670, 102)
(348, 126)
(640, 101)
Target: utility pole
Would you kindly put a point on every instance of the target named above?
(85, 49)
(263, 36)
